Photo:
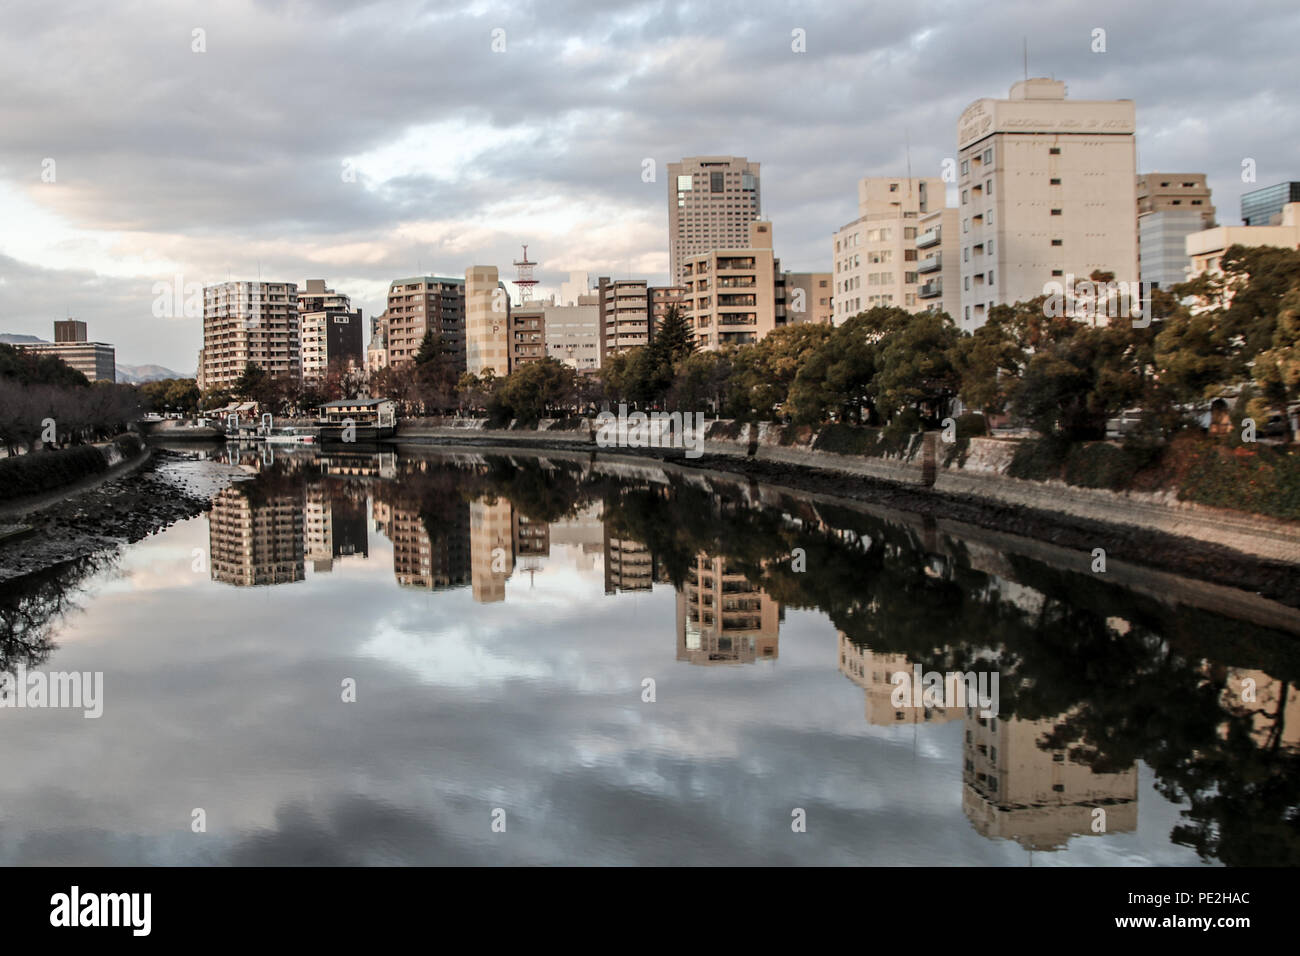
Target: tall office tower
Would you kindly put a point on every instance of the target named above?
(875, 255)
(1263, 207)
(424, 304)
(487, 344)
(730, 296)
(250, 323)
(723, 618)
(624, 314)
(1047, 190)
(711, 202)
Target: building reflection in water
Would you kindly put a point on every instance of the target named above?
(874, 672)
(256, 539)
(491, 548)
(723, 618)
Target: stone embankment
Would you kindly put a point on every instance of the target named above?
(978, 476)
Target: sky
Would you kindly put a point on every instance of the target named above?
(363, 142)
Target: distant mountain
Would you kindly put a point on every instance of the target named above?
(136, 374)
(11, 338)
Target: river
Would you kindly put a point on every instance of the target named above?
(453, 657)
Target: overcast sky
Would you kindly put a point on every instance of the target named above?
(235, 161)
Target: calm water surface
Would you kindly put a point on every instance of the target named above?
(500, 619)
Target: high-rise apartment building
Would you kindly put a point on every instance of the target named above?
(422, 304)
(1263, 207)
(332, 332)
(876, 255)
(624, 314)
(711, 202)
(487, 313)
(249, 323)
(1047, 189)
(730, 296)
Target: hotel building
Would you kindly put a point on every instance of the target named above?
(1047, 189)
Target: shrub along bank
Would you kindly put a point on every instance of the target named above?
(42, 471)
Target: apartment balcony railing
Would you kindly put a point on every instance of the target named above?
(930, 263)
(931, 289)
(928, 238)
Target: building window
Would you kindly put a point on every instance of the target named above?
(988, 156)
(1057, 272)
(1057, 242)
(1056, 212)
(965, 167)
(990, 277)
(1055, 182)
(1055, 151)
(990, 247)
(965, 254)
(965, 196)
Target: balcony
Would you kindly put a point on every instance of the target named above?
(931, 290)
(928, 238)
(930, 263)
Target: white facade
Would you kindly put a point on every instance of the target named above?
(1047, 189)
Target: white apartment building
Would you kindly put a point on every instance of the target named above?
(876, 255)
(1047, 189)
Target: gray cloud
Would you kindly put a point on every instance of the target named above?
(229, 161)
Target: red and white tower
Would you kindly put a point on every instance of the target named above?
(525, 279)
